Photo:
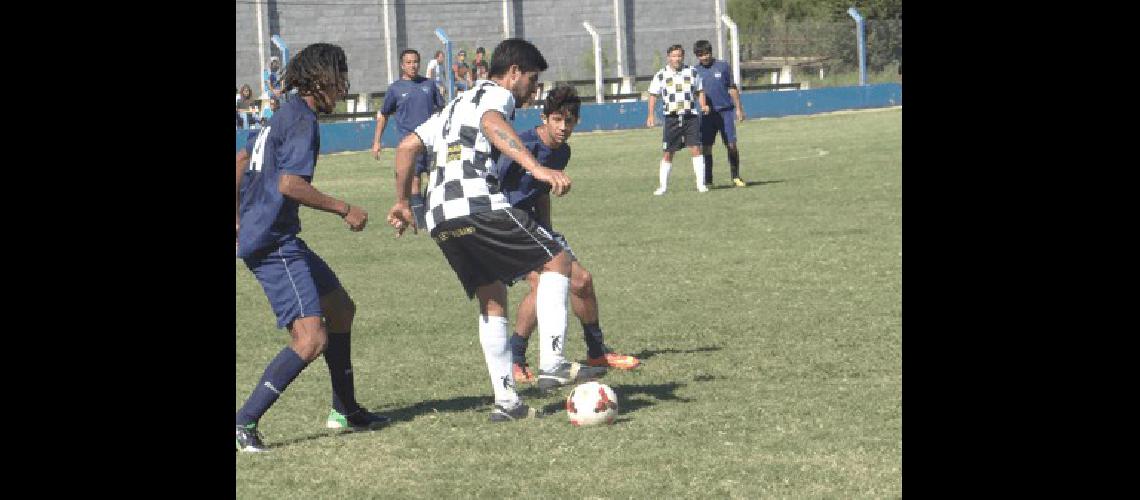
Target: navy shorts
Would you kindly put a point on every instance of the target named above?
(294, 279)
(718, 121)
(423, 164)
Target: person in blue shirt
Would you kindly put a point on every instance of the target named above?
(547, 142)
(724, 110)
(271, 80)
(274, 175)
(413, 99)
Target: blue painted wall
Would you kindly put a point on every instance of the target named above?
(357, 136)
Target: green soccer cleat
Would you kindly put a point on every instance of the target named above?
(361, 420)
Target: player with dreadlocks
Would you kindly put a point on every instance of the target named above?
(274, 175)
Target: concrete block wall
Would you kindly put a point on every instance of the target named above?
(555, 26)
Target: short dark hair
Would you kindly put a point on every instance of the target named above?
(480, 50)
(438, 53)
(563, 100)
(673, 47)
(516, 52)
(702, 46)
(316, 67)
(409, 51)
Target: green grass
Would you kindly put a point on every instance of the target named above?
(768, 319)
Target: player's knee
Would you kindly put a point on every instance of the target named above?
(309, 339)
(581, 283)
(731, 147)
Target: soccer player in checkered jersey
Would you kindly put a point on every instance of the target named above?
(274, 175)
(547, 142)
(725, 110)
(680, 89)
(485, 240)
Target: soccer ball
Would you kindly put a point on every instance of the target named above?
(592, 403)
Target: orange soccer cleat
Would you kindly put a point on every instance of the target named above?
(615, 360)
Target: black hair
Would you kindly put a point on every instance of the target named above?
(316, 67)
(480, 50)
(701, 47)
(673, 47)
(409, 51)
(516, 52)
(563, 100)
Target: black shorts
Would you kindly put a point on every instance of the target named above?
(681, 131)
(493, 246)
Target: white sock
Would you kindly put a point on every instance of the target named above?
(663, 173)
(550, 303)
(699, 170)
(496, 342)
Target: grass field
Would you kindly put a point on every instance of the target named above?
(768, 319)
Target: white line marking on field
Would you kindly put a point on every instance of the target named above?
(819, 153)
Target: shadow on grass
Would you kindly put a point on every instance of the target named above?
(746, 184)
(649, 353)
(406, 414)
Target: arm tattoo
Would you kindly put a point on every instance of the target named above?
(510, 142)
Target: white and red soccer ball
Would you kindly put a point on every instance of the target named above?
(592, 403)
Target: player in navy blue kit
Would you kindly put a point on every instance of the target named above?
(724, 110)
(547, 142)
(485, 240)
(301, 288)
(413, 99)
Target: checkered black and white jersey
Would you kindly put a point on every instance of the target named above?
(677, 90)
(462, 179)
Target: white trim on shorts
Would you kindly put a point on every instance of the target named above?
(300, 303)
(512, 216)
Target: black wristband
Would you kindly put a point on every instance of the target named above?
(347, 208)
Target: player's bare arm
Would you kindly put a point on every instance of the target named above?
(704, 103)
(242, 164)
(381, 121)
(652, 102)
(400, 215)
(298, 189)
(735, 94)
(503, 137)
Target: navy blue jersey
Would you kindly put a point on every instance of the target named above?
(716, 79)
(413, 101)
(516, 183)
(288, 144)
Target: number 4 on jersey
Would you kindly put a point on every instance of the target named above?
(258, 150)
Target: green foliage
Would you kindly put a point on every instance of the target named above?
(768, 318)
(586, 61)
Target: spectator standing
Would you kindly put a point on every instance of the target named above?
(479, 66)
(462, 72)
(435, 70)
(271, 80)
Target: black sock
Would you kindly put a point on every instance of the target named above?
(278, 375)
(734, 162)
(339, 360)
(708, 169)
(595, 342)
(518, 348)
